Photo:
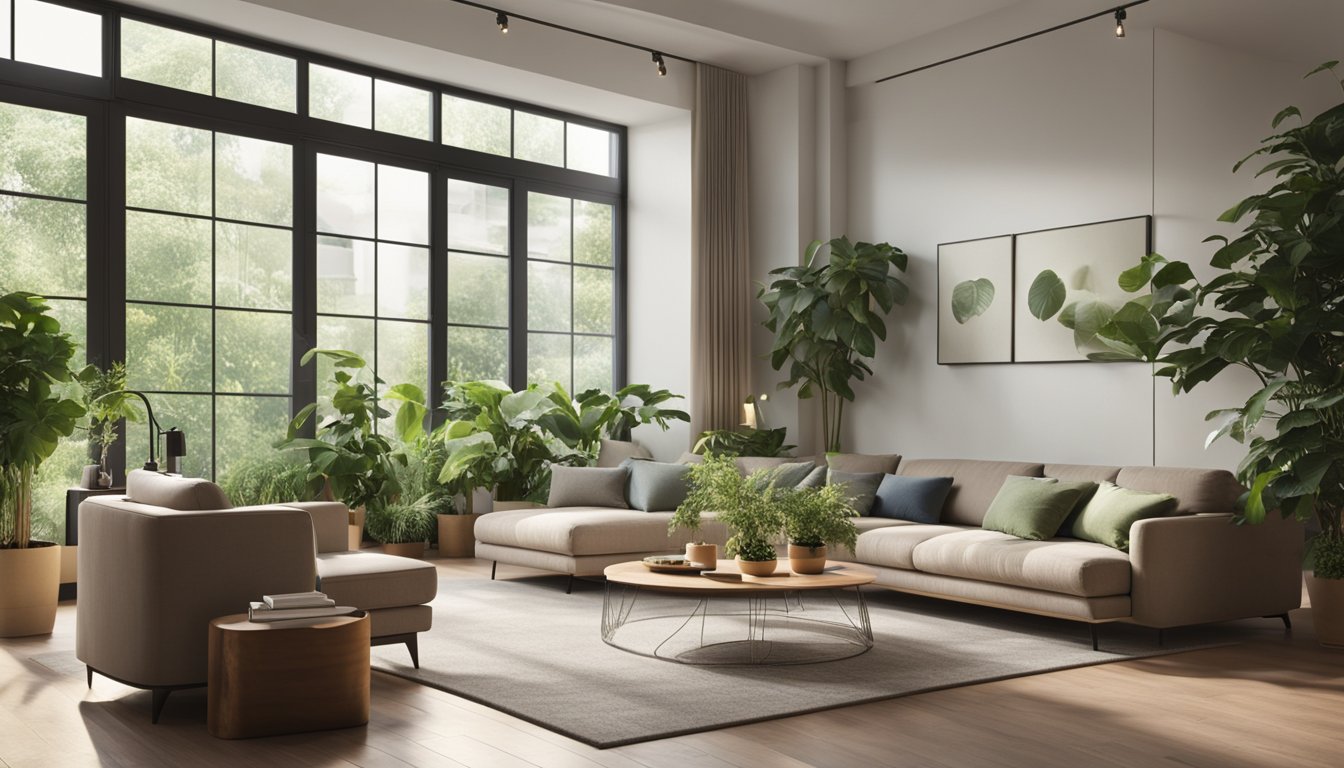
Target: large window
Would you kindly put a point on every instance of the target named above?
(246, 201)
(209, 286)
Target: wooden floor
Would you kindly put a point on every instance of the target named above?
(1276, 702)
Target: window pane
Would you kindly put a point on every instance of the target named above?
(50, 483)
(253, 266)
(403, 281)
(252, 352)
(478, 353)
(42, 246)
(167, 167)
(60, 37)
(478, 289)
(44, 152)
(475, 125)
(189, 413)
(344, 196)
(592, 233)
(255, 77)
(593, 294)
(167, 258)
(402, 109)
(345, 277)
(547, 227)
(248, 426)
(478, 217)
(165, 56)
(539, 139)
(73, 316)
(403, 358)
(254, 180)
(346, 333)
(548, 359)
(5, 29)
(340, 96)
(168, 348)
(588, 149)
(403, 205)
(548, 297)
(592, 363)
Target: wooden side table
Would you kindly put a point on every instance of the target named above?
(287, 677)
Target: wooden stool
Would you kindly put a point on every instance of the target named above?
(287, 676)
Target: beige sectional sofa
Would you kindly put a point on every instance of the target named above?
(156, 565)
(1193, 567)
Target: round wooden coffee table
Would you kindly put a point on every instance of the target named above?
(725, 617)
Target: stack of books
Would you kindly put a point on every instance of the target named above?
(296, 605)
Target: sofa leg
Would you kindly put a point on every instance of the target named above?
(493, 565)
(569, 587)
(160, 698)
(1287, 622)
(1092, 628)
(413, 645)
(89, 674)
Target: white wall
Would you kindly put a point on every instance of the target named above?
(1064, 129)
(658, 282)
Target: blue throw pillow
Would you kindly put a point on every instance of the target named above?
(655, 486)
(917, 499)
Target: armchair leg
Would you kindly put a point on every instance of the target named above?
(1093, 629)
(160, 698)
(493, 565)
(569, 586)
(411, 640)
(1287, 622)
(89, 673)
(413, 645)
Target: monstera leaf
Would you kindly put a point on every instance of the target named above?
(970, 298)
(1046, 296)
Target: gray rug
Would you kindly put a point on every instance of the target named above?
(524, 647)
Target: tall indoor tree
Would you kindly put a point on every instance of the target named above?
(824, 314)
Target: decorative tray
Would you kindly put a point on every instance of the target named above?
(672, 564)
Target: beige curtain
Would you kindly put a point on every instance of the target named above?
(721, 291)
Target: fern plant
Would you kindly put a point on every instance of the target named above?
(750, 506)
(402, 522)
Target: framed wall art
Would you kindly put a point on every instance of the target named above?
(975, 300)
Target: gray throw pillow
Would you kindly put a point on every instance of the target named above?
(917, 499)
(815, 479)
(861, 487)
(587, 487)
(655, 486)
(788, 475)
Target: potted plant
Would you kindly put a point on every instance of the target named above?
(744, 441)
(582, 422)
(37, 409)
(826, 329)
(419, 479)
(1278, 296)
(348, 461)
(813, 519)
(402, 527)
(750, 506)
(108, 404)
(697, 550)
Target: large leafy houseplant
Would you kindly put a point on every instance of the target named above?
(1277, 303)
(824, 314)
(744, 441)
(38, 406)
(583, 421)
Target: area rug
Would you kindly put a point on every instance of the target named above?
(524, 647)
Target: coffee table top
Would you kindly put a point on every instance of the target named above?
(836, 576)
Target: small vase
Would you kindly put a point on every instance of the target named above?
(1327, 609)
(89, 477)
(807, 560)
(756, 567)
(704, 554)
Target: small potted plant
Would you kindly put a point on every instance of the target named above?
(750, 506)
(813, 519)
(108, 402)
(697, 550)
(402, 527)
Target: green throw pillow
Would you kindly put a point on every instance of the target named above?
(1032, 507)
(1108, 516)
(861, 487)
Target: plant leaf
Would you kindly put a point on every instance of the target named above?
(1046, 296)
(970, 298)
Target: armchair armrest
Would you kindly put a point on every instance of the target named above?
(331, 520)
(1194, 569)
(152, 578)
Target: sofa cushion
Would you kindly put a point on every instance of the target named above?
(370, 580)
(1197, 491)
(790, 475)
(1096, 473)
(893, 545)
(748, 464)
(917, 499)
(815, 479)
(860, 487)
(185, 494)
(974, 483)
(1070, 567)
(654, 486)
(578, 531)
(886, 463)
(612, 453)
(1034, 507)
(1112, 510)
(587, 487)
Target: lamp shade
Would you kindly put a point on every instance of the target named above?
(175, 442)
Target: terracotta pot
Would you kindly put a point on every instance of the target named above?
(807, 560)
(32, 581)
(1327, 609)
(456, 535)
(756, 567)
(705, 554)
(415, 549)
(356, 531)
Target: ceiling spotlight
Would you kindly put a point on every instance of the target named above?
(1120, 17)
(502, 19)
(662, 68)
